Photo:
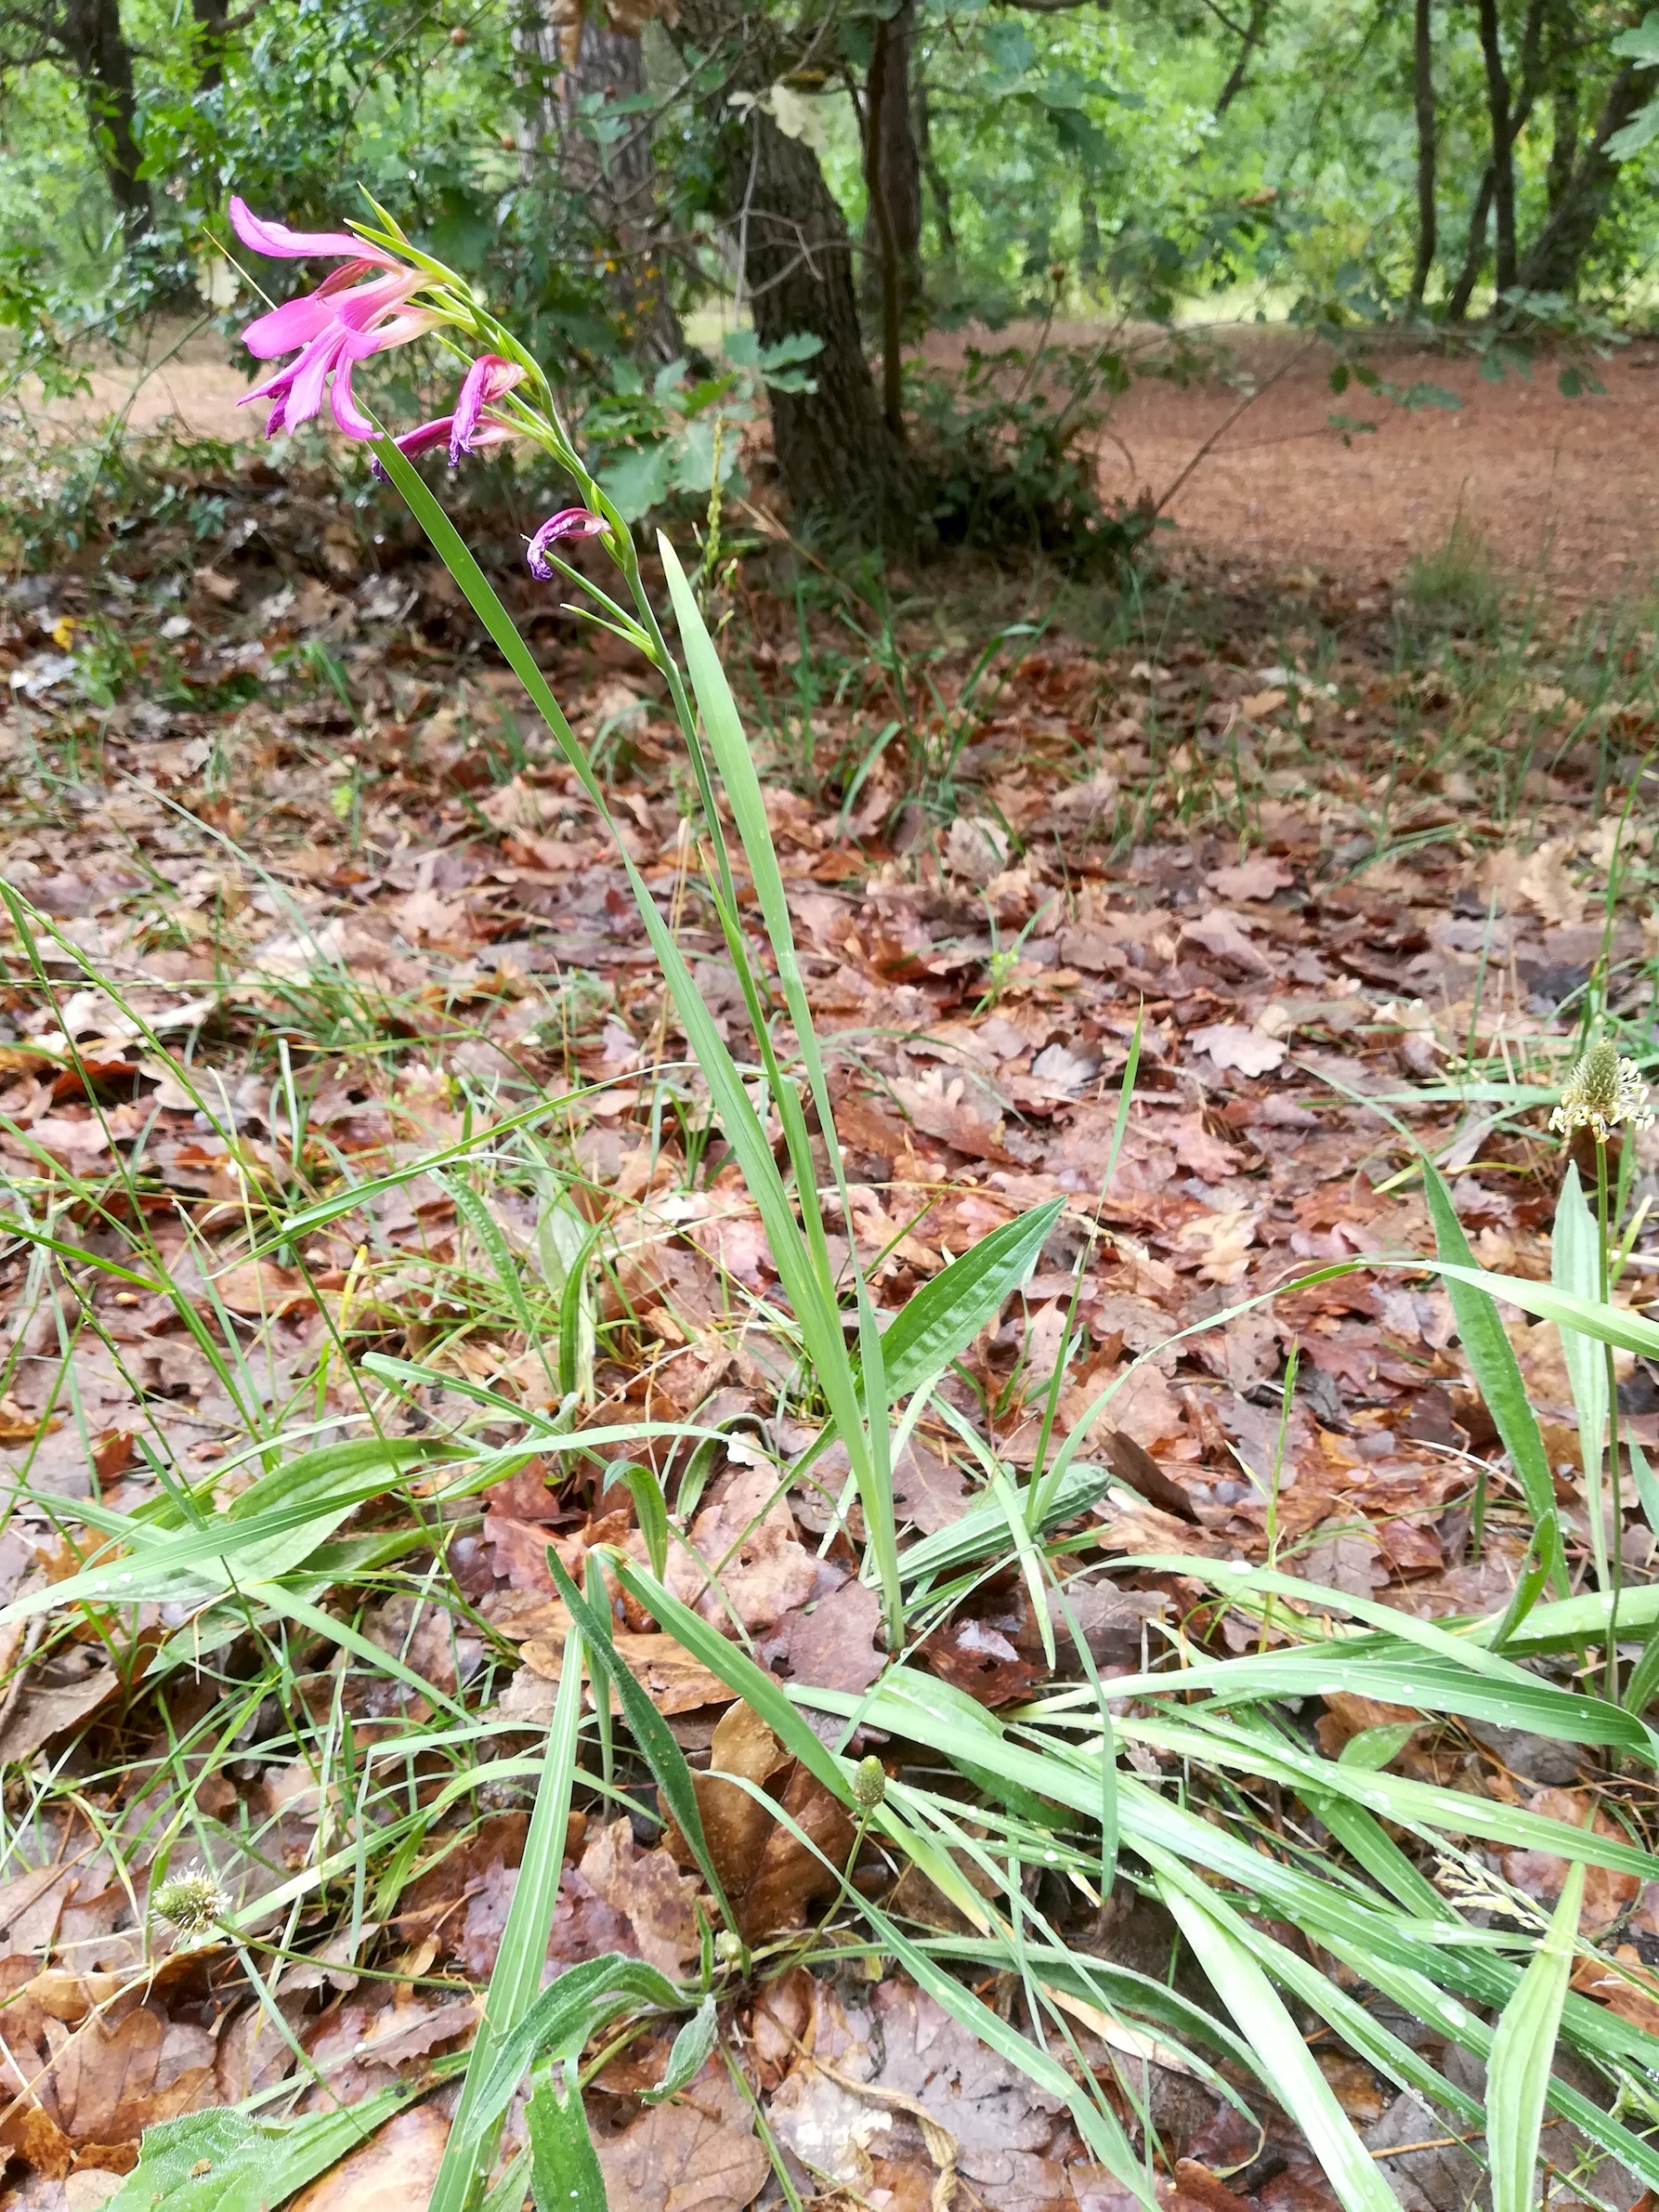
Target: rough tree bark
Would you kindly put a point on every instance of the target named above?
(618, 181)
(938, 184)
(1474, 257)
(1422, 86)
(1563, 141)
(1556, 256)
(1562, 66)
(890, 152)
(574, 61)
(835, 454)
(97, 49)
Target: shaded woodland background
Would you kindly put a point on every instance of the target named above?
(685, 207)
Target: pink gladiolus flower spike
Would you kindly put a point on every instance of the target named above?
(361, 308)
(569, 522)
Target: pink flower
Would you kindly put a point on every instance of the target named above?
(277, 242)
(362, 308)
(421, 439)
(569, 522)
(472, 425)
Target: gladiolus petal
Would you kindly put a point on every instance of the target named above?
(569, 522)
(294, 323)
(421, 439)
(282, 245)
(488, 378)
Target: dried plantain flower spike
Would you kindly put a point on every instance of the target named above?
(193, 1903)
(1602, 1092)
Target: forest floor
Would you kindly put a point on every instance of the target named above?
(314, 909)
(1561, 488)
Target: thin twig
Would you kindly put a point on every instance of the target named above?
(1221, 428)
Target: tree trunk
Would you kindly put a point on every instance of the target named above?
(891, 153)
(1260, 11)
(541, 37)
(615, 179)
(883, 98)
(1561, 70)
(98, 50)
(1503, 145)
(1555, 257)
(1089, 254)
(1474, 257)
(211, 17)
(938, 184)
(1422, 84)
(835, 454)
(1563, 141)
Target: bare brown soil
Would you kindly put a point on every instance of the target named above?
(1565, 488)
(1569, 487)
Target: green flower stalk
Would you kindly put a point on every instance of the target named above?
(1604, 1093)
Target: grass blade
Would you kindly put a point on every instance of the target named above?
(517, 1980)
(564, 2016)
(650, 1731)
(1522, 2052)
(1265, 2022)
(1574, 1268)
(1096, 2123)
(740, 1675)
(942, 1319)
(1496, 1374)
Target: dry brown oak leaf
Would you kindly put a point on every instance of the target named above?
(698, 2153)
(770, 1876)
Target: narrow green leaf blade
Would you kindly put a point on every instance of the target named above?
(1265, 2022)
(738, 1673)
(516, 1979)
(650, 1509)
(649, 1730)
(942, 1319)
(563, 2017)
(1574, 1268)
(980, 1529)
(1496, 1374)
(1523, 2053)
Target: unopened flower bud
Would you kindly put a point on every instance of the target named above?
(869, 1784)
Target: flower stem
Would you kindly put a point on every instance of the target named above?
(1616, 1561)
